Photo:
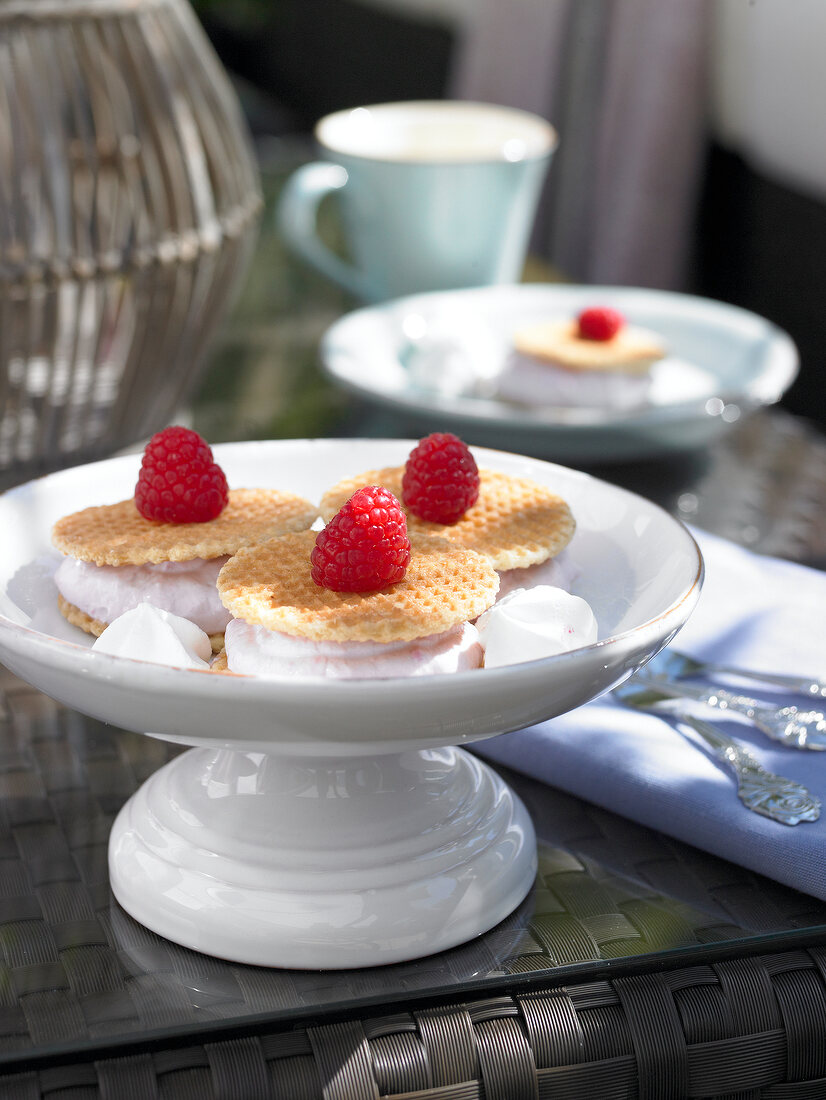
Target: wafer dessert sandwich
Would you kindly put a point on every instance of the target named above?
(359, 599)
(520, 526)
(167, 544)
(596, 359)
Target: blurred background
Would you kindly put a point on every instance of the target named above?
(692, 148)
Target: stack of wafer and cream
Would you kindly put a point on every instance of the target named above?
(245, 577)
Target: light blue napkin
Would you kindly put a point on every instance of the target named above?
(755, 612)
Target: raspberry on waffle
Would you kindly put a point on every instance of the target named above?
(514, 522)
(441, 479)
(599, 323)
(179, 481)
(364, 546)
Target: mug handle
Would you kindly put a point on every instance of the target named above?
(297, 218)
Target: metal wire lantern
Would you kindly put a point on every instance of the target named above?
(129, 197)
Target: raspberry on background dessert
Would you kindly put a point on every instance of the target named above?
(599, 323)
(522, 527)
(117, 558)
(596, 359)
(411, 619)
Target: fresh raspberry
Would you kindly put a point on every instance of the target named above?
(364, 546)
(600, 323)
(441, 478)
(179, 481)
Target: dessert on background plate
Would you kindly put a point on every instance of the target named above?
(522, 527)
(166, 545)
(595, 359)
(357, 600)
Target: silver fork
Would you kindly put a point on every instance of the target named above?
(677, 665)
(774, 796)
(789, 725)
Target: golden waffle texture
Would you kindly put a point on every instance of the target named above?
(79, 618)
(117, 534)
(515, 522)
(94, 626)
(271, 585)
(220, 663)
(631, 351)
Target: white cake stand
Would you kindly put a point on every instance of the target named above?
(333, 824)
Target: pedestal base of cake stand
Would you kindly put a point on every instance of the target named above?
(313, 863)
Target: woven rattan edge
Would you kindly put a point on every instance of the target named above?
(676, 1030)
(481, 992)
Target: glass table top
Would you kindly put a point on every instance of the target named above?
(79, 973)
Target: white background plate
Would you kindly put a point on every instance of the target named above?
(723, 362)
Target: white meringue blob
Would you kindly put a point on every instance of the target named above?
(528, 624)
(149, 634)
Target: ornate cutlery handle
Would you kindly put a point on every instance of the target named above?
(801, 729)
(761, 791)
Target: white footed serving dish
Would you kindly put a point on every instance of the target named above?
(327, 824)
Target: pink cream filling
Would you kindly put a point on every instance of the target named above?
(185, 588)
(256, 651)
(533, 382)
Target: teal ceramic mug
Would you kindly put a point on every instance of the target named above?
(433, 195)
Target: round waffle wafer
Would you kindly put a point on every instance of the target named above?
(117, 534)
(94, 626)
(632, 351)
(515, 522)
(270, 585)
